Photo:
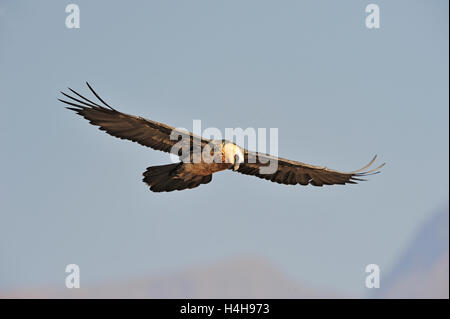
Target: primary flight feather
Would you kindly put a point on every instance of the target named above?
(190, 173)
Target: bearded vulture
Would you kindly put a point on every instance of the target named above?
(190, 173)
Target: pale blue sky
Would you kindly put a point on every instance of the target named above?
(337, 92)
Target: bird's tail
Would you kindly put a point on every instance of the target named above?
(165, 178)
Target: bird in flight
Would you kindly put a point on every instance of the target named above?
(195, 168)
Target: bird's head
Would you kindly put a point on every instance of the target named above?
(233, 154)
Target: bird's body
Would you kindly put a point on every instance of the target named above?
(197, 167)
(200, 157)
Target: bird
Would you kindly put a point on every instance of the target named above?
(194, 169)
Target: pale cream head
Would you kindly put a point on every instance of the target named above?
(233, 154)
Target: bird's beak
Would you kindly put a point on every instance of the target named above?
(236, 163)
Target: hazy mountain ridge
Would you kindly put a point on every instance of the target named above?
(240, 277)
(422, 272)
(423, 269)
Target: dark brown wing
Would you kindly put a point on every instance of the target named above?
(292, 172)
(134, 128)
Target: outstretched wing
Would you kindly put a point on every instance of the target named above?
(134, 128)
(292, 172)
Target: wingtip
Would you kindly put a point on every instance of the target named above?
(367, 165)
(89, 86)
(98, 97)
(361, 172)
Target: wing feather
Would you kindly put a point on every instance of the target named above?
(292, 172)
(124, 126)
